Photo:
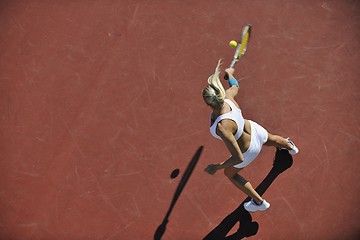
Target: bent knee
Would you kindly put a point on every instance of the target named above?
(272, 140)
(230, 172)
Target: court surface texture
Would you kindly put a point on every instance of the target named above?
(101, 101)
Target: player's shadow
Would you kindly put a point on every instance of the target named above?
(247, 227)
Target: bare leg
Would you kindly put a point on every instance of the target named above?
(242, 183)
(277, 141)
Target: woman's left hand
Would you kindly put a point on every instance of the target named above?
(211, 169)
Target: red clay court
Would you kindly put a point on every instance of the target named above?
(101, 101)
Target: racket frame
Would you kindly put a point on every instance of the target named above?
(238, 55)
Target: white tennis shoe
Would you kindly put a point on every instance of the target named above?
(251, 206)
(294, 150)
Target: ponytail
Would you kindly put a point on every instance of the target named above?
(214, 92)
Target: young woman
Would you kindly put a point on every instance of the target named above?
(243, 138)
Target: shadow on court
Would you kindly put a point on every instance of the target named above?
(283, 161)
(185, 178)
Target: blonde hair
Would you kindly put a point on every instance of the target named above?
(214, 92)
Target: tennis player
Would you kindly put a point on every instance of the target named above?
(243, 138)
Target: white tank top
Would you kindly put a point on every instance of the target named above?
(235, 115)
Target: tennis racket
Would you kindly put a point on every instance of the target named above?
(241, 47)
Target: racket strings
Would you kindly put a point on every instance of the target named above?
(244, 43)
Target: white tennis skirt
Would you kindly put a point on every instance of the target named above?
(259, 136)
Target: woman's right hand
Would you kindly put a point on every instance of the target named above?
(230, 71)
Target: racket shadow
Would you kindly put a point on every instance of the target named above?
(185, 178)
(282, 161)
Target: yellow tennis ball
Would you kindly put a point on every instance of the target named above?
(233, 44)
